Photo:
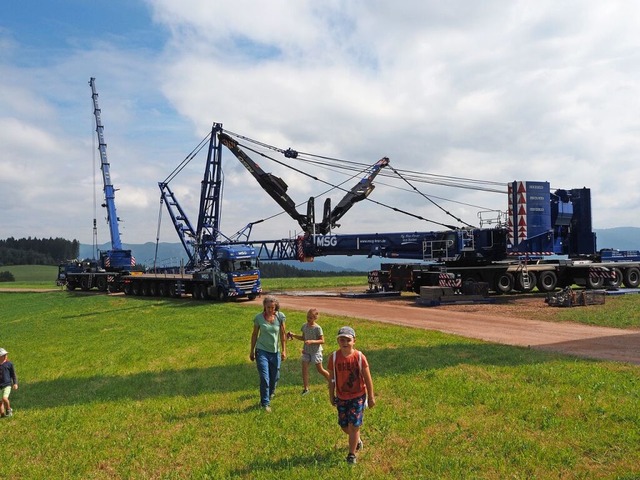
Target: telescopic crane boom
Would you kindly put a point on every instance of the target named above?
(116, 258)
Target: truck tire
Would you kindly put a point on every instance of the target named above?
(594, 283)
(71, 286)
(198, 293)
(101, 283)
(631, 278)
(221, 295)
(205, 292)
(616, 281)
(520, 283)
(85, 284)
(505, 283)
(547, 281)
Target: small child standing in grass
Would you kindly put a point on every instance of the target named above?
(313, 339)
(350, 388)
(8, 380)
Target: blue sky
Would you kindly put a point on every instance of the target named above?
(496, 91)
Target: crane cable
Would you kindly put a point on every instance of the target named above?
(444, 180)
(187, 159)
(395, 209)
(429, 199)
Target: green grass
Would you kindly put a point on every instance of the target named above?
(128, 387)
(31, 276)
(620, 311)
(311, 283)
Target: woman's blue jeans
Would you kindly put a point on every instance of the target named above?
(269, 370)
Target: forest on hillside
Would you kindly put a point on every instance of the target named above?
(37, 251)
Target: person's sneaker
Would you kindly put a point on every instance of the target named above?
(10, 413)
(351, 458)
(360, 445)
(305, 391)
(267, 408)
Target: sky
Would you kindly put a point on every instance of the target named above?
(492, 91)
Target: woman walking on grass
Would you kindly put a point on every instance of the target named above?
(268, 347)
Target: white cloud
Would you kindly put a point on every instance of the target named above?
(497, 91)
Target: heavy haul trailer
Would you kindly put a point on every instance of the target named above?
(234, 274)
(501, 277)
(548, 243)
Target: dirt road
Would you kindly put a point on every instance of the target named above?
(490, 322)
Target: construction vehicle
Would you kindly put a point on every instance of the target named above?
(216, 269)
(547, 242)
(225, 268)
(101, 273)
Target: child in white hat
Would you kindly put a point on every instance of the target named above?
(8, 380)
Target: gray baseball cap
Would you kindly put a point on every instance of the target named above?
(347, 332)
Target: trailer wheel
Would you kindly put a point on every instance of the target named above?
(221, 294)
(616, 281)
(505, 283)
(128, 289)
(631, 277)
(136, 289)
(198, 293)
(162, 289)
(101, 283)
(547, 281)
(520, 282)
(205, 292)
(86, 284)
(595, 282)
(173, 290)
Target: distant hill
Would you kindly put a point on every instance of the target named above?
(622, 238)
(170, 254)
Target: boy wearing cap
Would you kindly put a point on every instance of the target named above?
(350, 388)
(8, 380)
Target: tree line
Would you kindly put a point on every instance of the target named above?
(37, 251)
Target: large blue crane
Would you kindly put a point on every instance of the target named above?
(117, 258)
(199, 242)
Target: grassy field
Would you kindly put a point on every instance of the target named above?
(44, 277)
(31, 276)
(130, 387)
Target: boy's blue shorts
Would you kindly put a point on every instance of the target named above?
(351, 411)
